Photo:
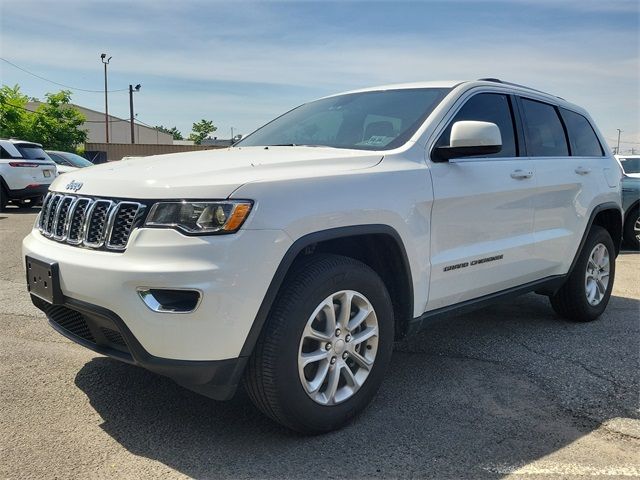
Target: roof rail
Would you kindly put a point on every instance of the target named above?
(497, 80)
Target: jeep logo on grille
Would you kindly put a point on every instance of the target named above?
(74, 186)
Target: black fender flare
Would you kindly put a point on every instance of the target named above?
(597, 209)
(304, 242)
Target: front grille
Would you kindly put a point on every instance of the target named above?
(89, 222)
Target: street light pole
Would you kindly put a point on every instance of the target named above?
(618, 147)
(106, 101)
(131, 116)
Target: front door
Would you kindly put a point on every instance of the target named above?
(482, 219)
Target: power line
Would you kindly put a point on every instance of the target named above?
(56, 83)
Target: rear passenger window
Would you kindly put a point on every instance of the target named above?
(4, 153)
(582, 138)
(543, 129)
(487, 107)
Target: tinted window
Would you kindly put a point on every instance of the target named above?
(487, 107)
(378, 120)
(4, 153)
(59, 160)
(32, 152)
(76, 160)
(544, 131)
(630, 165)
(582, 138)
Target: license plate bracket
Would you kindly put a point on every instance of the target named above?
(43, 280)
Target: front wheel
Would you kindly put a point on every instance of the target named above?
(325, 346)
(586, 293)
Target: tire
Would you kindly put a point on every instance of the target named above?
(571, 301)
(275, 382)
(632, 229)
(3, 198)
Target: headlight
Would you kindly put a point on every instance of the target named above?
(200, 217)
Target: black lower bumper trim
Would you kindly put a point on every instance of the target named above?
(30, 192)
(104, 332)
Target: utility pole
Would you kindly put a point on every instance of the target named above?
(131, 90)
(231, 134)
(106, 101)
(618, 147)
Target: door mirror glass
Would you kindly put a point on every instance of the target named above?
(470, 138)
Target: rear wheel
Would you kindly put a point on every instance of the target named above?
(325, 347)
(3, 198)
(632, 229)
(586, 293)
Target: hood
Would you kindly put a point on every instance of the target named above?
(209, 173)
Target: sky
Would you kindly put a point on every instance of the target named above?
(242, 63)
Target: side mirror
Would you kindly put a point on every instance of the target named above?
(469, 138)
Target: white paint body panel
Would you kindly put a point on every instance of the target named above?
(444, 213)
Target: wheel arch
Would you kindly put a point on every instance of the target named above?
(608, 216)
(362, 242)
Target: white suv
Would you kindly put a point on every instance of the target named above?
(291, 261)
(26, 172)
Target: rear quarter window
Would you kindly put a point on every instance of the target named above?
(582, 137)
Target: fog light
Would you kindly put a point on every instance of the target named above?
(169, 300)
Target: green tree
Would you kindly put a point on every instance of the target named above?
(13, 113)
(177, 135)
(201, 130)
(56, 124)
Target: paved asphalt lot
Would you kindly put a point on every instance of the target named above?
(507, 390)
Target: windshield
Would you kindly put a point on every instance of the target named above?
(630, 165)
(32, 152)
(379, 120)
(76, 160)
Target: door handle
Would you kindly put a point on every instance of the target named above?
(582, 170)
(521, 174)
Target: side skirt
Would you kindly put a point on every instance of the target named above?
(545, 286)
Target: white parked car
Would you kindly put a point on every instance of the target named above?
(291, 261)
(26, 172)
(67, 161)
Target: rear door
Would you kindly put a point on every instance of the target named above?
(567, 157)
(482, 217)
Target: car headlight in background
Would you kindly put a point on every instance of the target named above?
(200, 217)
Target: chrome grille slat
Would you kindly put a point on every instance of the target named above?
(60, 221)
(95, 223)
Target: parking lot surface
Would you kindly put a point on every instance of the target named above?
(507, 391)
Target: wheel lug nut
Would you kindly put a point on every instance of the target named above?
(338, 332)
(345, 355)
(328, 346)
(333, 360)
(347, 338)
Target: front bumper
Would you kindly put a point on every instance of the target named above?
(233, 273)
(104, 332)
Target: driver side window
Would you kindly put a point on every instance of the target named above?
(487, 107)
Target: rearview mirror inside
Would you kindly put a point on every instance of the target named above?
(470, 138)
